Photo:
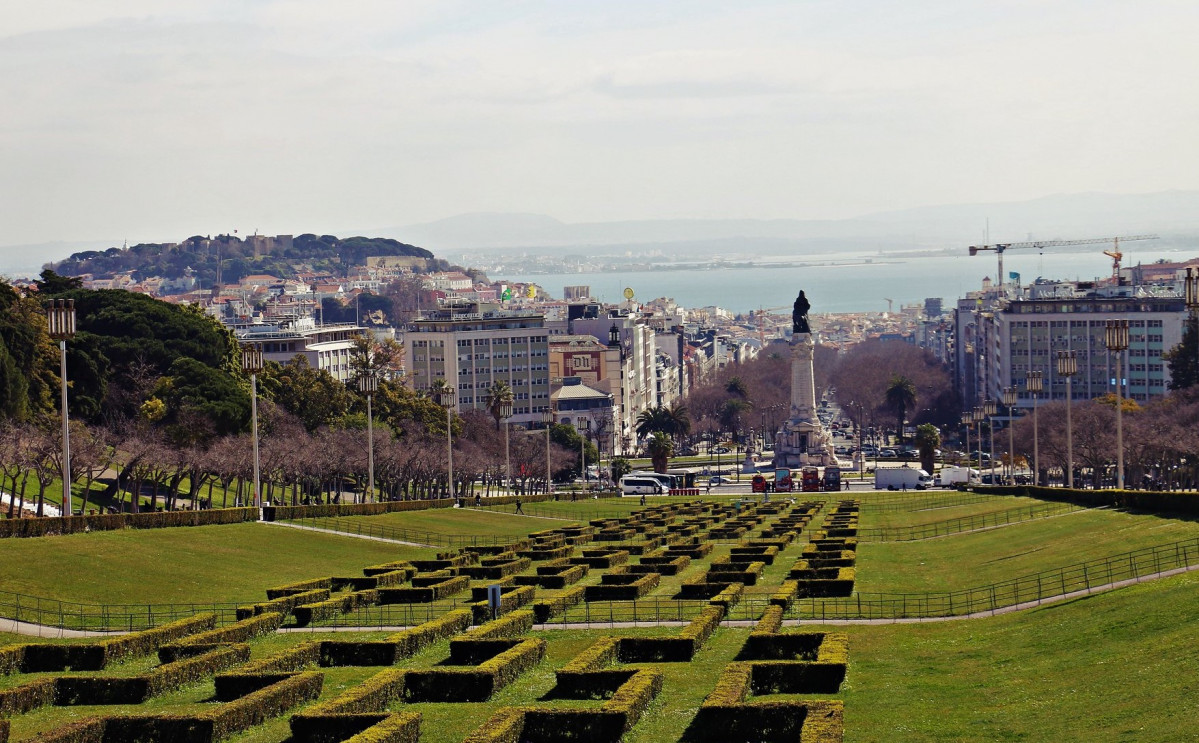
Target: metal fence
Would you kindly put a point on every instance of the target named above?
(103, 617)
(921, 501)
(966, 523)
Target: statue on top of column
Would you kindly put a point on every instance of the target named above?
(799, 315)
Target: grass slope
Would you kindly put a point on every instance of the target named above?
(202, 564)
(1116, 666)
(980, 558)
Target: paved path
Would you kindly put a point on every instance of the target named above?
(347, 534)
(41, 630)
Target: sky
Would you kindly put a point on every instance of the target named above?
(152, 121)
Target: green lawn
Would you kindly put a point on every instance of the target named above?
(985, 557)
(1117, 666)
(203, 564)
(932, 513)
(452, 521)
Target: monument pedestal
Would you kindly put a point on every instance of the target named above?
(803, 441)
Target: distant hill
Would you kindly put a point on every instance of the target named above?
(199, 255)
(948, 226)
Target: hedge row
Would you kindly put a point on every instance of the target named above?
(443, 588)
(357, 711)
(736, 572)
(87, 730)
(784, 596)
(73, 690)
(679, 649)
(622, 587)
(509, 601)
(474, 684)
(545, 609)
(665, 565)
(400, 645)
(1137, 500)
(601, 558)
(841, 585)
(246, 629)
(391, 567)
(401, 727)
(764, 553)
(302, 586)
(606, 724)
(389, 579)
(510, 625)
(111, 521)
(725, 716)
(334, 607)
(557, 576)
(96, 656)
(29, 696)
(284, 604)
(771, 621)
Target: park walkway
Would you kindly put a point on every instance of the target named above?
(348, 534)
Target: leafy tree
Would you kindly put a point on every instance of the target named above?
(569, 438)
(312, 395)
(28, 360)
(660, 449)
(620, 467)
(900, 398)
(928, 440)
(1183, 359)
(191, 387)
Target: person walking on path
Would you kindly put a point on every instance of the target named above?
(519, 510)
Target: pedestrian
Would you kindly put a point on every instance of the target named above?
(643, 499)
(847, 484)
(518, 508)
(478, 500)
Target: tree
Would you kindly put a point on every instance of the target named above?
(1183, 359)
(620, 467)
(928, 439)
(732, 414)
(660, 449)
(499, 395)
(312, 395)
(901, 397)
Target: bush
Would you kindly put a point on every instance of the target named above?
(246, 629)
(509, 601)
(622, 587)
(511, 625)
(284, 604)
(402, 727)
(771, 621)
(96, 656)
(442, 588)
(327, 609)
(477, 684)
(88, 730)
(28, 696)
(299, 587)
(71, 690)
(110, 522)
(256, 708)
(545, 609)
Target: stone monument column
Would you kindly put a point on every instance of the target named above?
(803, 383)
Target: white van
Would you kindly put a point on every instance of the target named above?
(641, 485)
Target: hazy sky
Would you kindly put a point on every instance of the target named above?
(158, 119)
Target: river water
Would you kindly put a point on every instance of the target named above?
(847, 287)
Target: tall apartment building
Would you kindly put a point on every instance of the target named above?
(1005, 339)
(473, 349)
(635, 387)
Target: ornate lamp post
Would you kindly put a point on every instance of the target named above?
(977, 416)
(1009, 401)
(990, 408)
(547, 417)
(369, 384)
(505, 414)
(60, 314)
(445, 397)
(1115, 337)
(1067, 366)
(1034, 384)
(251, 361)
(583, 448)
(967, 421)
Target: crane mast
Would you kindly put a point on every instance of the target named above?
(999, 248)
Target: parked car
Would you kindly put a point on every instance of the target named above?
(887, 454)
(719, 480)
(721, 450)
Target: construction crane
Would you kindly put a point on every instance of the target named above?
(759, 317)
(999, 248)
(1117, 256)
(890, 305)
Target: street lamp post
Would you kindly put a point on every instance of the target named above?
(369, 384)
(1009, 400)
(583, 448)
(547, 417)
(1116, 339)
(967, 421)
(1067, 366)
(1034, 383)
(251, 361)
(1191, 295)
(505, 414)
(990, 408)
(60, 315)
(445, 398)
(977, 416)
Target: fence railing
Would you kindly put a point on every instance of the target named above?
(923, 500)
(103, 617)
(966, 523)
(1022, 590)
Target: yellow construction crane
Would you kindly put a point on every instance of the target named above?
(999, 248)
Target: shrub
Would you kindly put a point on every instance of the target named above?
(327, 609)
(477, 684)
(299, 587)
(771, 621)
(622, 587)
(256, 708)
(545, 609)
(88, 730)
(96, 656)
(390, 567)
(510, 625)
(70, 690)
(785, 595)
(442, 588)
(246, 629)
(28, 696)
(284, 604)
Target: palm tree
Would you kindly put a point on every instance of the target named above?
(680, 419)
(928, 438)
(660, 449)
(654, 420)
(730, 414)
(499, 395)
(901, 397)
(736, 386)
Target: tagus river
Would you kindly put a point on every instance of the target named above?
(852, 285)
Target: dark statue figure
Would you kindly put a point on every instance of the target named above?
(799, 316)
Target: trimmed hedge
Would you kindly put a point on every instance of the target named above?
(299, 587)
(1137, 500)
(557, 576)
(350, 713)
(622, 587)
(474, 684)
(18, 528)
(443, 588)
(601, 558)
(736, 572)
(680, 649)
(545, 609)
(784, 596)
(510, 625)
(73, 690)
(246, 629)
(283, 604)
(725, 716)
(27, 697)
(842, 585)
(96, 656)
(496, 569)
(771, 621)
(402, 727)
(285, 513)
(400, 645)
(390, 567)
(87, 730)
(509, 601)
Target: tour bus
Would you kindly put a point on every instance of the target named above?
(809, 480)
(642, 485)
(832, 478)
(667, 480)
